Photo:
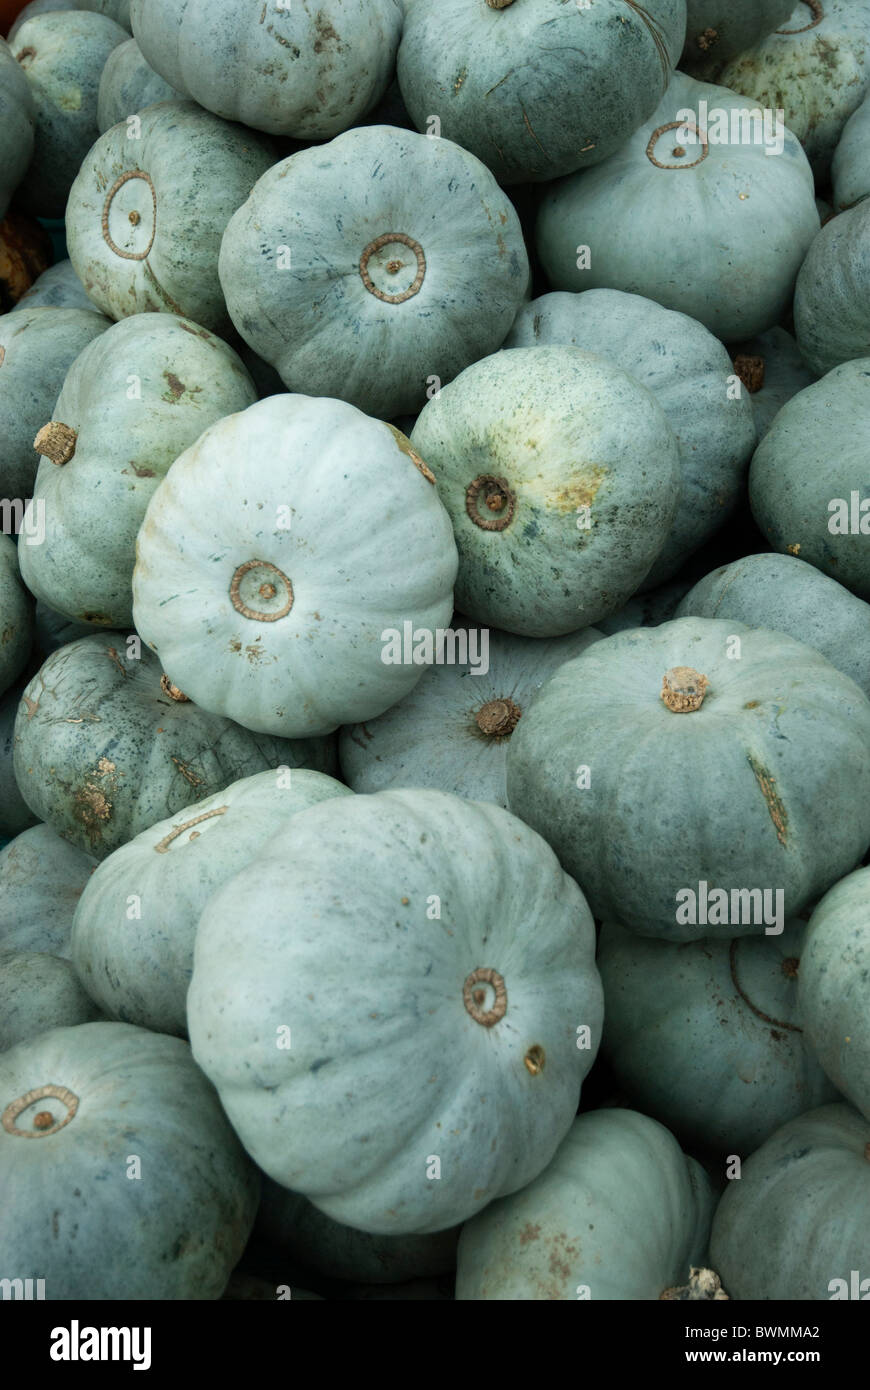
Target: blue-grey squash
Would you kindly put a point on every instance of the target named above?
(16, 616)
(128, 84)
(832, 294)
(105, 1127)
(15, 814)
(134, 399)
(105, 745)
(561, 474)
(37, 348)
(453, 730)
(39, 992)
(772, 370)
(807, 480)
(834, 986)
(383, 237)
(691, 376)
(284, 617)
(39, 7)
(794, 1226)
(791, 596)
(850, 168)
(145, 216)
(717, 30)
(288, 1221)
(41, 880)
(724, 227)
(17, 126)
(62, 54)
(707, 1036)
(308, 69)
(135, 923)
(539, 88)
(57, 288)
(644, 610)
(473, 1003)
(619, 1213)
(612, 763)
(815, 68)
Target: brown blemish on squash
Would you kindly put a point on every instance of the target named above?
(31, 706)
(162, 846)
(582, 491)
(140, 472)
(406, 447)
(460, 78)
(778, 813)
(92, 804)
(751, 704)
(750, 370)
(529, 1233)
(790, 967)
(112, 654)
(794, 549)
(187, 773)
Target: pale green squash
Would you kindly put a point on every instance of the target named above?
(109, 445)
(40, 7)
(39, 992)
(480, 987)
(620, 1213)
(56, 288)
(850, 169)
(772, 371)
(134, 927)
(17, 126)
(41, 880)
(15, 814)
(78, 1107)
(561, 476)
(127, 85)
(619, 782)
(717, 30)
(832, 295)
(645, 609)
(16, 616)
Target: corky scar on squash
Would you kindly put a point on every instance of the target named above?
(92, 804)
(582, 490)
(775, 806)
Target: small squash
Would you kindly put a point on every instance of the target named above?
(17, 126)
(620, 1213)
(105, 745)
(772, 371)
(41, 880)
(77, 1107)
(128, 85)
(137, 966)
(104, 441)
(561, 475)
(850, 169)
(612, 764)
(295, 576)
(835, 986)
(383, 237)
(717, 30)
(145, 217)
(444, 986)
(713, 228)
(57, 288)
(39, 992)
(795, 1225)
(832, 295)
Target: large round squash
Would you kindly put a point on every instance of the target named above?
(304, 69)
(794, 1226)
(146, 215)
(691, 376)
(832, 295)
(613, 764)
(561, 475)
(715, 229)
(620, 1213)
(108, 1128)
(104, 746)
(717, 30)
(707, 1035)
(433, 1019)
(271, 594)
(382, 238)
(133, 400)
(808, 478)
(134, 928)
(41, 880)
(835, 986)
(538, 88)
(17, 126)
(127, 85)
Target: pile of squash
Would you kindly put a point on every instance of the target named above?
(435, 649)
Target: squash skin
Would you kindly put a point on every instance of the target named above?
(737, 25)
(65, 53)
(41, 880)
(832, 295)
(138, 1093)
(101, 752)
(138, 969)
(39, 992)
(833, 988)
(620, 1210)
(118, 10)
(787, 594)
(310, 72)
(307, 319)
(432, 738)
(194, 197)
(16, 616)
(359, 1165)
(39, 7)
(507, 84)
(799, 1215)
(186, 380)
(315, 659)
(687, 371)
(785, 374)
(534, 418)
(785, 730)
(57, 288)
(803, 464)
(17, 126)
(706, 1036)
(734, 207)
(129, 84)
(850, 168)
(38, 345)
(15, 814)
